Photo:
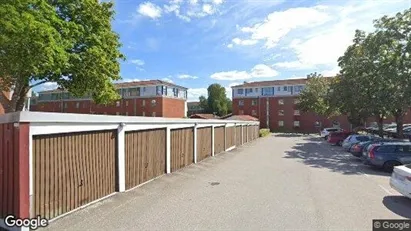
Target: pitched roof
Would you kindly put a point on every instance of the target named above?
(204, 116)
(131, 84)
(242, 117)
(274, 82)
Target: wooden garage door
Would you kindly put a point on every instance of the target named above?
(145, 156)
(182, 148)
(238, 135)
(219, 139)
(230, 133)
(203, 143)
(71, 170)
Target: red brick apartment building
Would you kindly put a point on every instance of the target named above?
(142, 98)
(274, 103)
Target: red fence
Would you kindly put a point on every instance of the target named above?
(14, 170)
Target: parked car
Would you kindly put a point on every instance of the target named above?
(326, 131)
(354, 139)
(401, 180)
(357, 149)
(388, 155)
(337, 138)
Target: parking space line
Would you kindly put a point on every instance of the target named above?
(386, 190)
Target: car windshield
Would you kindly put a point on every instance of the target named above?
(363, 138)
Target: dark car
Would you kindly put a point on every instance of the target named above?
(357, 149)
(388, 155)
(337, 138)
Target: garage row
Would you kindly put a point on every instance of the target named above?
(74, 169)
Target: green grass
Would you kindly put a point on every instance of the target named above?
(264, 132)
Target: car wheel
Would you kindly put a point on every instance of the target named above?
(389, 165)
(325, 137)
(339, 143)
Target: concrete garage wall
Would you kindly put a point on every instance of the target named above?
(52, 164)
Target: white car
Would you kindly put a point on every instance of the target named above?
(401, 179)
(326, 131)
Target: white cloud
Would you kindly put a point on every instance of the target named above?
(258, 71)
(150, 10)
(294, 65)
(218, 2)
(167, 80)
(208, 9)
(127, 80)
(230, 45)
(49, 86)
(331, 72)
(278, 24)
(194, 93)
(137, 62)
(245, 42)
(186, 76)
(193, 2)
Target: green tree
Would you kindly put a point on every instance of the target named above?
(395, 32)
(70, 42)
(314, 97)
(217, 101)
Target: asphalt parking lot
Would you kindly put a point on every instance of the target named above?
(280, 182)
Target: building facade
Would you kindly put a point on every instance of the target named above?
(143, 98)
(274, 103)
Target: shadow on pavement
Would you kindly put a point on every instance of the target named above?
(317, 153)
(399, 205)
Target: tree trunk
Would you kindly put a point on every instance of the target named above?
(399, 120)
(18, 98)
(380, 119)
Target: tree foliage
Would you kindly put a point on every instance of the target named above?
(70, 42)
(375, 76)
(217, 101)
(314, 96)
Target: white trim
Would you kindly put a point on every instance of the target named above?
(3, 225)
(212, 140)
(230, 148)
(31, 174)
(195, 143)
(168, 150)
(57, 128)
(230, 125)
(121, 155)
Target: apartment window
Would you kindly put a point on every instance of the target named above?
(281, 123)
(278, 88)
(267, 91)
(159, 90)
(241, 103)
(248, 90)
(253, 112)
(285, 88)
(78, 105)
(254, 102)
(154, 114)
(175, 91)
(117, 103)
(240, 91)
(256, 90)
(144, 89)
(134, 91)
(153, 103)
(144, 113)
(296, 101)
(296, 123)
(296, 112)
(143, 103)
(281, 102)
(241, 112)
(280, 112)
(164, 90)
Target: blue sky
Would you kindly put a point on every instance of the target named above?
(195, 43)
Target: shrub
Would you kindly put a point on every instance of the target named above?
(264, 132)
